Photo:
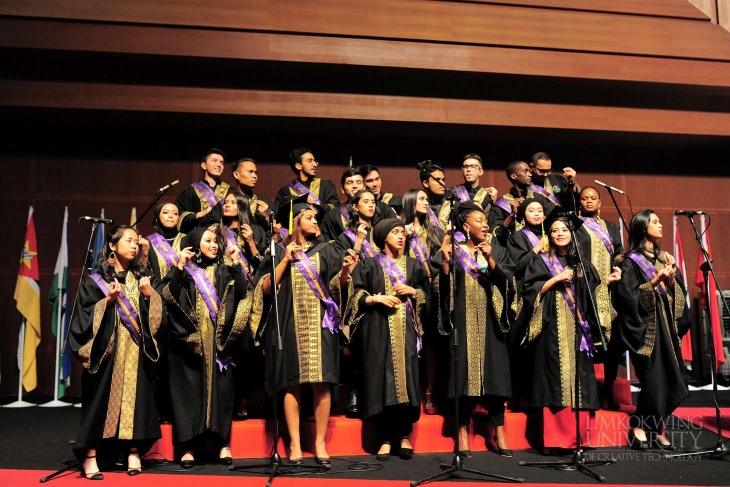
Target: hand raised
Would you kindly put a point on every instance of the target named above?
(145, 287)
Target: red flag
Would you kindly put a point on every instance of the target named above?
(679, 257)
(714, 309)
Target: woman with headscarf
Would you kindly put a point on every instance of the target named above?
(560, 334)
(600, 242)
(160, 249)
(209, 307)
(389, 300)
(425, 237)
(309, 273)
(653, 317)
(114, 335)
(478, 312)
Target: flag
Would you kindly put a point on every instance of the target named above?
(58, 298)
(28, 301)
(133, 218)
(679, 257)
(98, 243)
(714, 309)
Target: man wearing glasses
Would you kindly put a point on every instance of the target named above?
(560, 190)
(322, 193)
(471, 169)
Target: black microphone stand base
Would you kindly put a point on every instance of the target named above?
(456, 466)
(578, 463)
(70, 465)
(717, 452)
(275, 468)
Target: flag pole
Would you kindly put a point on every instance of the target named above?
(20, 403)
(56, 403)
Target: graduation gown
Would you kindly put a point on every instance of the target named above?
(324, 189)
(652, 327)
(260, 239)
(310, 352)
(201, 390)
(551, 338)
(157, 264)
(191, 201)
(387, 338)
(479, 314)
(392, 200)
(478, 195)
(335, 223)
(118, 400)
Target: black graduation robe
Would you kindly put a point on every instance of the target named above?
(117, 395)
(497, 215)
(392, 200)
(324, 189)
(387, 339)
(190, 202)
(253, 200)
(652, 327)
(157, 264)
(334, 223)
(551, 338)
(310, 352)
(202, 393)
(479, 195)
(479, 313)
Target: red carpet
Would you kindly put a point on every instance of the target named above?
(23, 478)
(705, 417)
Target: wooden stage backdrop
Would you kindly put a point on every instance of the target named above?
(104, 102)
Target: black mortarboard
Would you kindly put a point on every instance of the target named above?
(558, 212)
(290, 208)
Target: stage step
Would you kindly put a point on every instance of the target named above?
(253, 438)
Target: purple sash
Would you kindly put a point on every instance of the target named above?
(600, 232)
(299, 189)
(331, 319)
(648, 269)
(127, 313)
(420, 252)
(396, 277)
(467, 262)
(164, 249)
(205, 288)
(367, 248)
(503, 204)
(207, 192)
(231, 241)
(544, 192)
(434, 219)
(461, 192)
(555, 268)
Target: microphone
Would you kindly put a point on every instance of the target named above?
(690, 212)
(96, 220)
(165, 188)
(609, 187)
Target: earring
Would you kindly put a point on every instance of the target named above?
(112, 258)
(197, 255)
(468, 236)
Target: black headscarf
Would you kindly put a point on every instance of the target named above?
(383, 228)
(520, 215)
(168, 233)
(193, 239)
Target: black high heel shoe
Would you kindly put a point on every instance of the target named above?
(637, 444)
(657, 445)
(92, 475)
(134, 471)
(502, 452)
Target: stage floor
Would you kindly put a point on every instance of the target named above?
(37, 440)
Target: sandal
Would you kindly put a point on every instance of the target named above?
(91, 475)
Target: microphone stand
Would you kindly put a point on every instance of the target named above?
(274, 465)
(160, 193)
(578, 461)
(719, 450)
(457, 463)
(621, 217)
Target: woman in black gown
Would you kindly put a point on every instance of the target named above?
(162, 246)
(209, 305)
(114, 335)
(478, 312)
(389, 300)
(653, 317)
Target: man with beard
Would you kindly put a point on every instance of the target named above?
(321, 193)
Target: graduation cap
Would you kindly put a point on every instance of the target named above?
(290, 208)
(559, 212)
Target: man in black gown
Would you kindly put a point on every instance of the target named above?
(563, 190)
(246, 174)
(471, 190)
(371, 178)
(322, 192)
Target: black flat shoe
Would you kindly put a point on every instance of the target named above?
(91, 475)
(464, 453)
(406, 453)
(382, 457)
(225, 461)
(296, 461)
(187, 463)
(637, 444)
(322, 461)
(134, 471)
(502, 452)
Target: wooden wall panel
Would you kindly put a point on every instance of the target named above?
(359, 107)
(655, 8)
(466, 23)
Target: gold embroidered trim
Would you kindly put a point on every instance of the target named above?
(206, 331)
(648, 296)
(419, 309)
(679, 302)
(353, 313)
(164, 268)
(566, 348)
(85, 351)
(256, 325)
(154, 321)
(397, 322)
(534, 327)
(307, 325)
(476, 319)
(601, 260)
(444, 214)
(386, 198)
(185, 214)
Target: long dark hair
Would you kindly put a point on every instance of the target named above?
(637, 232)
(354, 220)
(572, 254)
(409, 215)
(243, 209)
(105, 269)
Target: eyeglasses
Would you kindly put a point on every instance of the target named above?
(542, 172)
(466, 167)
